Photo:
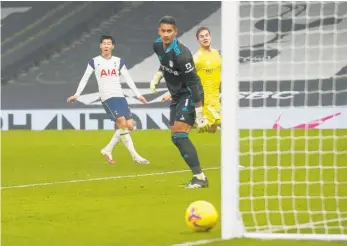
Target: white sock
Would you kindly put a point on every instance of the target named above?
(114, 141)
(200, 176)
(127, 141)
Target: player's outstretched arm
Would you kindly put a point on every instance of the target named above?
(124, 71)
(156, 79)
(83, 82)
(158, 75)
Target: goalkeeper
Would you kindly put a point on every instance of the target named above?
(208, 66)
(177, 66)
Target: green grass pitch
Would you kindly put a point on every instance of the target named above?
(148, 210)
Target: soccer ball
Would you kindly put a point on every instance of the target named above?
(201, 216)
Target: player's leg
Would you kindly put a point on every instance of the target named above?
(125, 125)
(213, 116)
(116, 136)
(107, 150)
(114, 140)
(184, 118)
(213, 128)
(131, 125)
(211, 120)
(127, 140)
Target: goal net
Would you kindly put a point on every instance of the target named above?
(289, 126)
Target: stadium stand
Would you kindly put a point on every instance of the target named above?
(134, 26)
(34, 31)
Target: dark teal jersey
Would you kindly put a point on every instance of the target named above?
(177, 65)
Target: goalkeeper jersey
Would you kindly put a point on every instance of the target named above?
(177, 65)
(208, 66)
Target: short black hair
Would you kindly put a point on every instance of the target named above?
(103, 37)
(167, 20)
(203, 28)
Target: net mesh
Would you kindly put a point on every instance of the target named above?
(293, 72)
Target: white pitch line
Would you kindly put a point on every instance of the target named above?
(104, 178)
(200, 242)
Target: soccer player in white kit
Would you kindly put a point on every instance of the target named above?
(107, 70)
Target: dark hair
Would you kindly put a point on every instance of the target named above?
(103, 37)
(167, 20)
(203, 28)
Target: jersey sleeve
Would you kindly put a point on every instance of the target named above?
(83, 82)
(125, 73)
(189, 75)
(155, 45)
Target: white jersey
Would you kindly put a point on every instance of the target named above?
(107, 73)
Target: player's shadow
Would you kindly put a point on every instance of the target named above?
(190, 232)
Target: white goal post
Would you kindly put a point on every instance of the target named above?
(231, 223)
(285, 63)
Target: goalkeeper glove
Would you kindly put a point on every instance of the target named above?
(155, 81)
(201, 121)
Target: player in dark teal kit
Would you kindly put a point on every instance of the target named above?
(178, 69)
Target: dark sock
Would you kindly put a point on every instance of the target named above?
(188, 151)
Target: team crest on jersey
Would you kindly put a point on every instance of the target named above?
(171, 63)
